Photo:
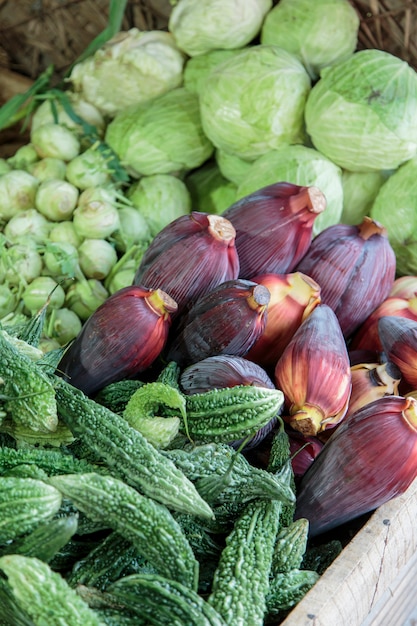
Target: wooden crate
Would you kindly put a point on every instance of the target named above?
(372, 581)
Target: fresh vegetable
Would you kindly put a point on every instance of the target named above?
(359, 192)
(399, 191)
(28, 396)
(210, 191)
(373, 95)
(152, 398)
(227, 414)
(347, 479)
(228, 319)
(293, 297)
(160, 199)
(290, 547)
(301, 166)
(319, 34)
(161, 600)
(241, 580)
(197, 68)
(36, 586)
(398, 337)
(24, 503)
(104, 563)
(147, 524)
(286, 589)
(166, 138)
(342, 259)
(223, 475)
(316, 352)
(133, 67)
(127, 452)
(197, 28)
(371, 381)
(189, 257)
(243, 110)
(17, 193)
(46, 539)
(223, 370)
(106, 350)
(274, 227)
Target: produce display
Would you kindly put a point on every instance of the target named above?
(208, 318)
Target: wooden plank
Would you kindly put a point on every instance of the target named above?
(398, 605)
(359, 577)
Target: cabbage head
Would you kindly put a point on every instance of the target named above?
(210, 191)
(199, 27)
(395, 206)
(319, 33)
(232, 167)
(133, 67)
(197, 68)
(361, 113)
(254, 102)
(160, 198)
(165, 137)
(299, 165)
(359, 192)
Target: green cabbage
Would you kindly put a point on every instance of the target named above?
(160, 198)
(197, 68)
(133, 67)
(359, 192)
(165, 137)
(199, 27)
(395, 206)
(301, 166)
(231, 166)
(254, 102)
(210, 191)
(361, 113)
(319, 33)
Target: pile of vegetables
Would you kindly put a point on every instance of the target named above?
(208, 320)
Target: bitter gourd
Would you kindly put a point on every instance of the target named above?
(164, 601)
(44, 594)
(286, 589)
(241, 580)
(147, 524)
(51, 461)
(27, 392)
(127, 452)
(280, 458)
(115, 396)
(230, 413)
(223, 475)
(46, 539)
(290, 547)
(142, 412)
(25, 502)
(105, 563)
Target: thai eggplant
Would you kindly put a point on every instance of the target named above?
(370, 458)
